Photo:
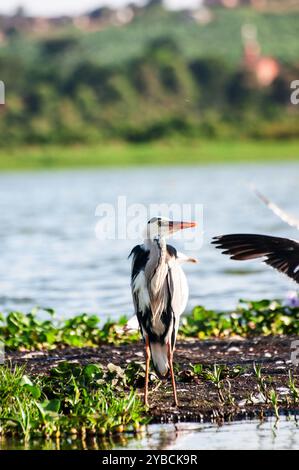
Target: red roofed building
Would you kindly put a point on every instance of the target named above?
(266, 69)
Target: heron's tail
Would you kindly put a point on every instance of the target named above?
(159, 355)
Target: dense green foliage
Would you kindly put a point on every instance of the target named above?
(78, 400)
(19, 331)
(219, 36)
(160, 76)
(265, 317)
(71, 400)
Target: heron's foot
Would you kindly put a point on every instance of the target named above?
(175, 404)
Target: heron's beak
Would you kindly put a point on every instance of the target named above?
(175, 226)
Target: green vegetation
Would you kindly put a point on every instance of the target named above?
(76, 402)
(71, 400)
(19, 331)
(175, 152)
(263, 391)
(28, 332)
(180, 79)
(219, 376)
(265, 317)
(112, 46)
(294, 391)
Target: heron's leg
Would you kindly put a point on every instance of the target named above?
(170, 359)
(147, 364)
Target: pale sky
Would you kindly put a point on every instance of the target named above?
(57, 7)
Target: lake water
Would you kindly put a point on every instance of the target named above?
(236, 435)
(51, 257)
(259, 435)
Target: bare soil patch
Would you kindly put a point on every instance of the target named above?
(199, 400)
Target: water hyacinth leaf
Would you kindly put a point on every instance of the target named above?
(50, 337)
(53, 405)
(27, 384)
(25, 380)
(34, 390)
(93, 371)
(74, 340)
(50, 406)
(27, 331)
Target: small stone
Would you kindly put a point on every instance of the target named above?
(233, 349)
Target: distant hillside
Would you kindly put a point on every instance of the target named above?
(261, 5)
(217, 34)
(162, 74)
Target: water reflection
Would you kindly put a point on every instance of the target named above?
(260, 435)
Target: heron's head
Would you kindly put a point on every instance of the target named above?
(161, 227)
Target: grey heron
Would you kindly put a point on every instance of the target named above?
(160, 294)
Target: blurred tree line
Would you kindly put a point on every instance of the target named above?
(158, 95)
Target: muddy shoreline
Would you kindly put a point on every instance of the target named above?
(199, 399)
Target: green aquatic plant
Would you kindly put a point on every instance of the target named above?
(71, 399)
(274, 400)
(215, 376)
(261, 382)
(135, 375)
(268, 394)
(220, 376)
(265, 317)
(31, 331)
(294, 391)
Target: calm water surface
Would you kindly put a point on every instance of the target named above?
(51, 257)
(236, 435)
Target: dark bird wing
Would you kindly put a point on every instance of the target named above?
(280, 253)
(139, 259)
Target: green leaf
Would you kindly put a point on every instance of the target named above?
(34, 390)
(50, 405)
(93, 370)
(25, 381)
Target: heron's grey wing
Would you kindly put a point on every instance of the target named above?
(284, 216)
(280, 253)
(178, 294)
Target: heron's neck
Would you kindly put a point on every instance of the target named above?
(157, 259)
(158, 242)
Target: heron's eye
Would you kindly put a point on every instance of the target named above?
(159, 222)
